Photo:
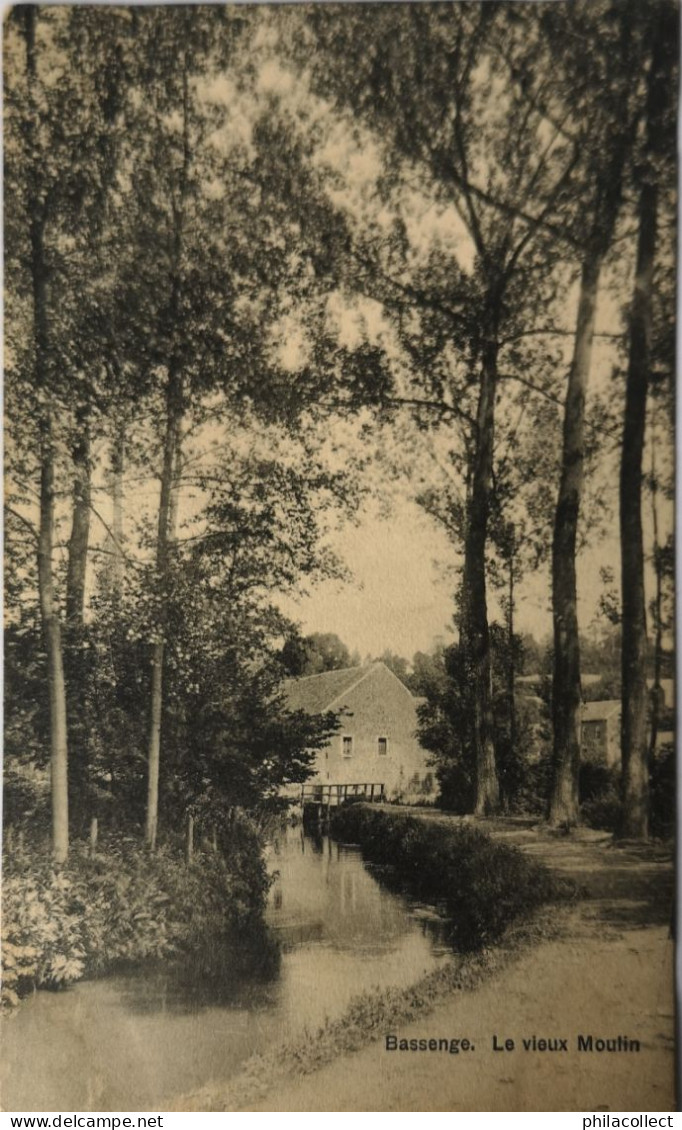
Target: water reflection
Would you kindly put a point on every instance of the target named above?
(323, 884)
(141, 1038)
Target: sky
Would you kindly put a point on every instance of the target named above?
(401, 597)
(398, 599)
(401, 593)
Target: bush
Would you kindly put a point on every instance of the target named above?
(480, 884)
(596, 780)
(663, 792)
(602, 807)
(604, 811)
(599, 792)
(534, 788)
(124, 905)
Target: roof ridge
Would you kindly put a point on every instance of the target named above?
(380, 663)
(365, 672)
(332, 671)
(605, 705)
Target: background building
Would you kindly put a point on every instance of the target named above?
(377, 742)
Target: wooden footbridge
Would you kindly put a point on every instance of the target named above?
(318, 800)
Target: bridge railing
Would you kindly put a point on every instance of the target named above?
(331, 795)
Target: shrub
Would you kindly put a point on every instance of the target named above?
(595, 780)
(534, 788)
(603, 811)
(663, 792)
(480, 884)
(124, 905)
(599, 791)
(602, 806)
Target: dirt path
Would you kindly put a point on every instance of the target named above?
(609, 975)
(562, 989)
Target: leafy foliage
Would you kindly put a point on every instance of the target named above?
(601, 799)
(482, 885)
(124, 906)
(443, 729)
(315, 653)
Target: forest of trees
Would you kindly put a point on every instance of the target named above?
(257, 259)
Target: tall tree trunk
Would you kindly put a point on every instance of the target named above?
(117, 466)
(475, 612)
(635, 780)
(53, 643)
(177, 476)
(76, 567)
(171, 461)
(566, 693)
(511, 673)
(658, 612)
(566, 690)
(165, 533)
(48, 611)
(77, 659)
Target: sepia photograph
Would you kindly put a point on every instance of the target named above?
(339, 759)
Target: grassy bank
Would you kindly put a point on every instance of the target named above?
(490, 893)
(369, 1018)
(480, 885)
(124, 906)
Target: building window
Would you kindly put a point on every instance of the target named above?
(383, 745)
(347, 746)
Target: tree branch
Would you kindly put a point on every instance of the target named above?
(112, 535)
(515, 212)
(23, 520)
(554, 331)
(540, 220)
(612, 432)
(408, 402)
(421, 297)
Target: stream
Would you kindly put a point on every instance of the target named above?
(138, 1040)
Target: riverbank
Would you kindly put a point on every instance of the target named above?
(366, 1021)
(144, 1035)
(480, 884)
(600, 968)
(122, 905)
(578, 985)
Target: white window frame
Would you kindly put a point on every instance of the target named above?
(347, 738)
(382, 738)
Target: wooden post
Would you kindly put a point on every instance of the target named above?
(93, 836)
(189, 852)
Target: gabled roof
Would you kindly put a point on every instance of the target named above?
(318, 693)
(600, 711)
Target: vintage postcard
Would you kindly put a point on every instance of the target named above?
(339, 400)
